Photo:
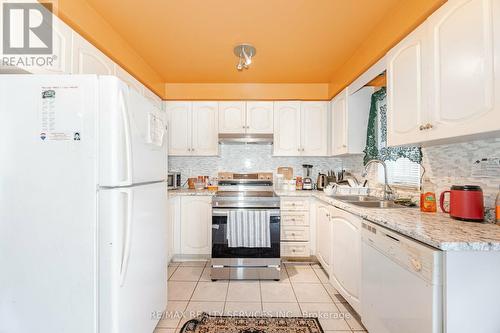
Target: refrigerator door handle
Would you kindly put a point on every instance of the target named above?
(126, 235)
(128, 144)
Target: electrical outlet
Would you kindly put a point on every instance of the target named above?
(486, 167)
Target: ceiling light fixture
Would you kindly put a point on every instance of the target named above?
(244, 52)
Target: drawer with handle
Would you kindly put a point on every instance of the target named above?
(289, 233)
(295, 249)
(294, 204)
(294, 218)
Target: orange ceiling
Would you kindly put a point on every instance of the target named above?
(297, 41)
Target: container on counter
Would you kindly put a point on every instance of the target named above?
(191, 182)
(298, 183)
(428, 202)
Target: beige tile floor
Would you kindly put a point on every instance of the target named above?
(303, 290)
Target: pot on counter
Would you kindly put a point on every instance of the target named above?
(466, 203)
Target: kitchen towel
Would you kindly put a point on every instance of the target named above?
(248, 228)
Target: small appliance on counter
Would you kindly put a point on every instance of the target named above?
(321, 181)
(466, 203)
(174, 180)
(307, 183)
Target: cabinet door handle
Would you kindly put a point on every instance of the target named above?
(293, 233)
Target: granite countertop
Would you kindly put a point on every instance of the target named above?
(435, 229)
(188, 192)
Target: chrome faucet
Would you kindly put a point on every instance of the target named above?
(388, 193)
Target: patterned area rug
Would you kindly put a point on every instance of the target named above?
(221, 324)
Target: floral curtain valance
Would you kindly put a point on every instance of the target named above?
(376, 138)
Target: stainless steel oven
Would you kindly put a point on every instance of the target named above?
(245, 262)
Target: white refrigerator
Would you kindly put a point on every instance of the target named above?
(83, 200)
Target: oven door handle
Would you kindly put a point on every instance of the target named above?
(224, 212)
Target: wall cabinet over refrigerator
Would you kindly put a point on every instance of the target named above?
(349, 121)
(192, 128)
(444, 78)
(300, 128)
(246, 117)
(87, 59)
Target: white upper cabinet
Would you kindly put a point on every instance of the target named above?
(205, 129)
(339, 124)
(179, 128)
(300, 128)
(464, 82)
(314, 135)
(62, 43)
(443, 79)
(87, 59)
(349, 121)
(232, 117)
(259, 117)
(407, 107)
(287, 129)
(192, 128)
(246, 117)
(59, 61)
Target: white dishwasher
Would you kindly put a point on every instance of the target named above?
(401, 283)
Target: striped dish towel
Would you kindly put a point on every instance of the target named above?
(248, 228)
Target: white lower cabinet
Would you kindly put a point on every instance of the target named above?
(295, 232)
(189, 226)
(173, 227)
(324, 236)
(196, 225)
(345, 264)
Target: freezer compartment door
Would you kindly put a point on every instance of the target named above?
(132, 136)
(133, 257)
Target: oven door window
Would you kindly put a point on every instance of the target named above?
(220, 248)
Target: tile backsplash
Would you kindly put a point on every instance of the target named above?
(247, 158)
(448, 165)
(445, 165)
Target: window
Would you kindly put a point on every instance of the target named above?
(401, 172)
(403, 167)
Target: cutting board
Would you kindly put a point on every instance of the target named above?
(287, 172)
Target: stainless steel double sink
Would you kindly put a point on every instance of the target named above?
(367, 201)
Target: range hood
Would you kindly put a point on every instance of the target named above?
(242, 139)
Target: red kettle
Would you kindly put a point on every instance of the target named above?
(466, 203)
